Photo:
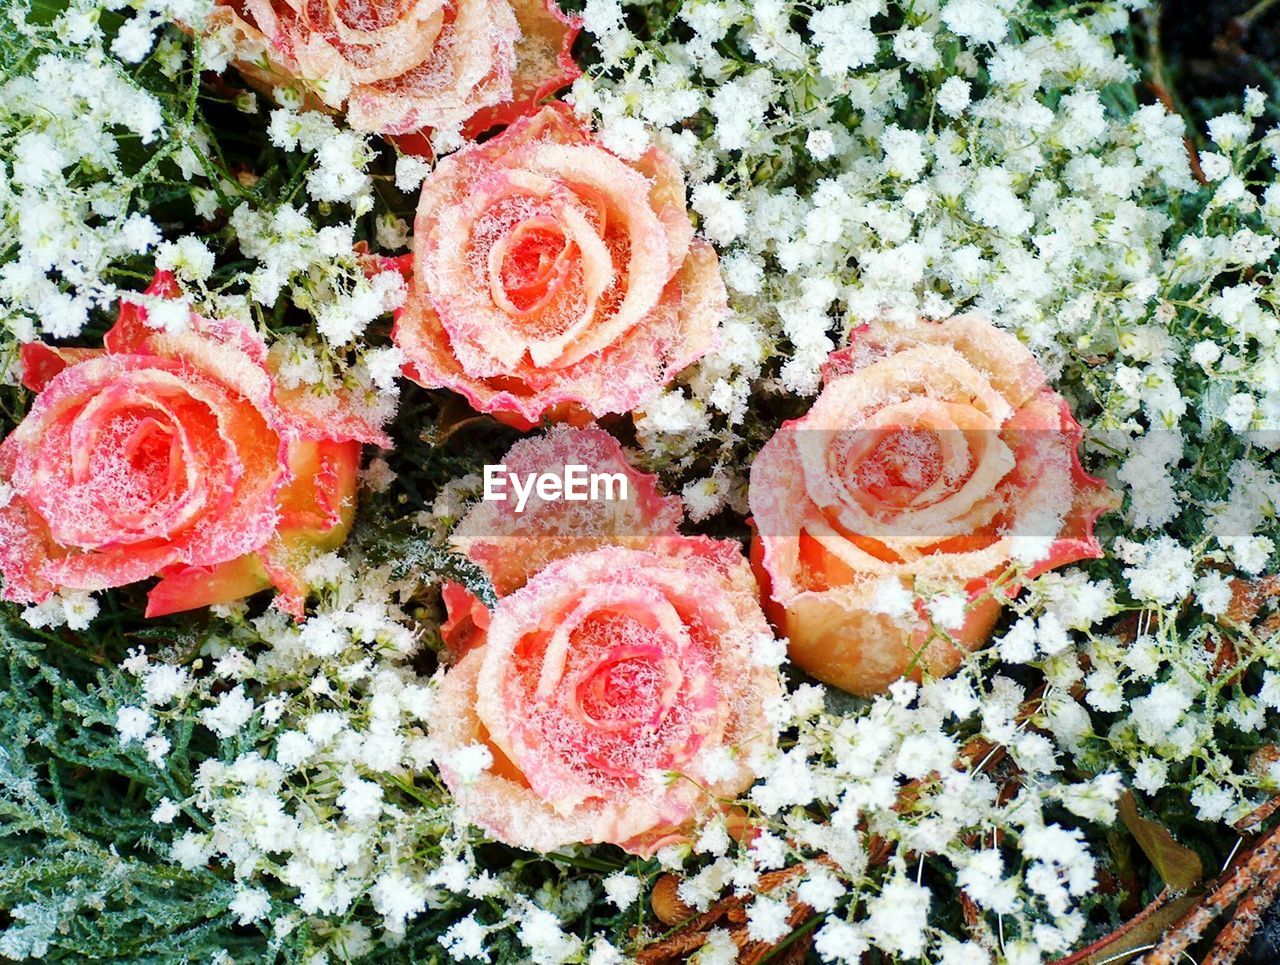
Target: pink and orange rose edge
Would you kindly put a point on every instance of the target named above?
(554, 282)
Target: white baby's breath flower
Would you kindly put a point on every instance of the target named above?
(229, 714)
(470, 762)
(953, 96)
(768, 651)
(360, 800)
(622, 889)
(250, 904)
(133, 724)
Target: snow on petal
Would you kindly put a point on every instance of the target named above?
(512, 546)
(934, 459)
(555, 279)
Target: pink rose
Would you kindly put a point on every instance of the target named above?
(551, 277)
(171, 455)
(399, 67)
(933, 460)
(512, 545)
(605, 672)
(604, 667)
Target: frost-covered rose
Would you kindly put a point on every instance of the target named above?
(601, 676)
(551, 277)
(400, 66)
(512, 545)
(171, 454)
(934, 458)
(619, 651)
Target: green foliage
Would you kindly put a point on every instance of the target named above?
(79, 875)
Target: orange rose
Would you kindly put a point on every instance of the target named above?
(171, 455)
(617, 655)
(552, 277)
(402, 66)
(603, 674)
(934, 458)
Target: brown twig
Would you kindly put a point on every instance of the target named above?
(975, 924)
(1258, 815)
(752, 953)
(1248, 916)
(1187, 930)
(1159, 85)
(1082, 954)
(692, 935)
(1248, 597)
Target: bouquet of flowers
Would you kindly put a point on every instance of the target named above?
(635, 480)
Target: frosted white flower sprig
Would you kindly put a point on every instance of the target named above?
(874, 819)
(95, 116)
(322, 735)
(888, 159)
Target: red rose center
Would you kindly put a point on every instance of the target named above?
(899, 465)
(362, 14)
(624, 704)
(633, 685)
(135, 461)
(152, 450)
(534, 258)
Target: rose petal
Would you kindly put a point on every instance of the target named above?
(512, 546)
(544, 63)
(193, 587)
(822, 556)
(130, 332)
(466, 620)
(24, 549)
(40, 362)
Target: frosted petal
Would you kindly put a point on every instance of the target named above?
(934, 455)
(553, 278)
(512, 546)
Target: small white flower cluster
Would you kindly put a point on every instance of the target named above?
(892, 781)
(70, 175)
(323, 727)
(318, 267)
(836, 199)
(73, 210)
(72, 609)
